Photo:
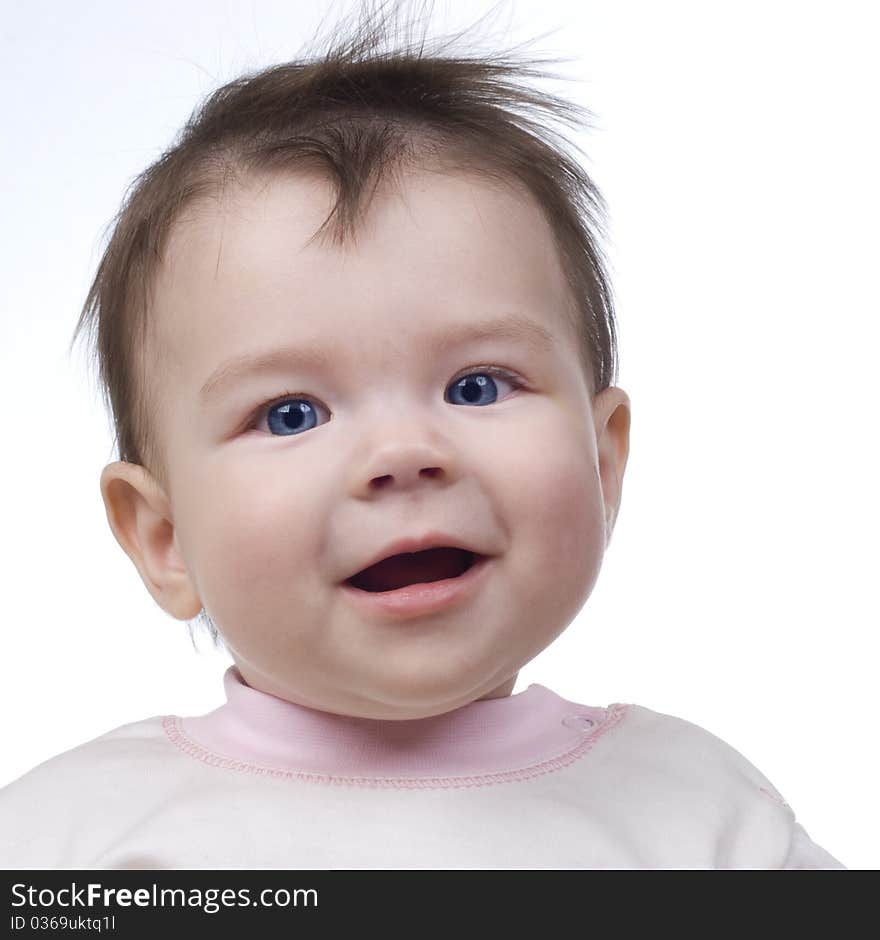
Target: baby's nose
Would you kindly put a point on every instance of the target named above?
(404, 465)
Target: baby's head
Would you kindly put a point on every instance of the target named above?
(357, 309)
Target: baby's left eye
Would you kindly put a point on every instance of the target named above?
(478, 384)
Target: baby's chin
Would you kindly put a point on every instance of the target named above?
(404, 702)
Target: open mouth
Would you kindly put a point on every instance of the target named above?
(432, 564)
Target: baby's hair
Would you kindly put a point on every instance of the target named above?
(354, 115)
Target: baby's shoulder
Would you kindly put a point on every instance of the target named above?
(668, 743)
(83, 772)
(710, 777)
(52, 810)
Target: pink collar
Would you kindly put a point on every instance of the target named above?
(527, 733)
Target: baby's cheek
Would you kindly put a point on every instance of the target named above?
(254, 559)
(563, 521)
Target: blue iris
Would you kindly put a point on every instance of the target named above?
(292, 417)
(471, 387)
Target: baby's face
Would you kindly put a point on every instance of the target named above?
(286, 480)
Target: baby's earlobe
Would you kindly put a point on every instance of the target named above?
(609, 523)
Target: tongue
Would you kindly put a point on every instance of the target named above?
(433, 564)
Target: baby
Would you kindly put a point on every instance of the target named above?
(357, 335)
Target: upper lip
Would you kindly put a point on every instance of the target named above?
(416, 544)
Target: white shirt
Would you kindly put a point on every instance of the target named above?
(530, 781)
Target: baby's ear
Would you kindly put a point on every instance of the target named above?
(140, 517)
(611, 413)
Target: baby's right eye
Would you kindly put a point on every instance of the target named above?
(286, 416)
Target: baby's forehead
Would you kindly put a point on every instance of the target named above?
(461, 231)
(314, 197)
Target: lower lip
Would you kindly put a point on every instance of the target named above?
(419, 600)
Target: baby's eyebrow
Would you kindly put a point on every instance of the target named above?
(520, 329)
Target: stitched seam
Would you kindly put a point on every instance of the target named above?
(171, 726)
(774, 795)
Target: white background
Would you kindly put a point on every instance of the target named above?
(736, 146)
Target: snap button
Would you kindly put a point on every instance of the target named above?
(578, 722)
